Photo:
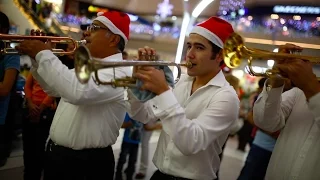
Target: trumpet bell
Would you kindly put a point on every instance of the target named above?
(235, 51)
(82, 64)
(232, 51)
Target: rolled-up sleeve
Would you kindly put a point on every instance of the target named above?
(272, 108)
(193, 135)
(56, 79)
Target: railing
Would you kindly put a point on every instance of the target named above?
(36, 20)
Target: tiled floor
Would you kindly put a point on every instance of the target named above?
(231, 164)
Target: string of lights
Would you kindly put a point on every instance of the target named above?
(228, 6)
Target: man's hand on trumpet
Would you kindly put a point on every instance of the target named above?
(153, 79)
(289, 48)
(32, 47)
(298, 70)
(301, 74)
(276, 80)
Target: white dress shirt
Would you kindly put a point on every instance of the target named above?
(297, 152)
(88, 115)
(194, 127)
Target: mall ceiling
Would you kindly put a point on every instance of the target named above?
(149, 7)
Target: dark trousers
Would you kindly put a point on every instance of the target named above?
(244, 136)
(5, 143)
(256, 164)
(34, 136)
(131, 150)
(89, 164)
(158, 175)
(7, 135)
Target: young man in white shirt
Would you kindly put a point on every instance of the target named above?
(296, 113)
(88, 118)
(197, 114)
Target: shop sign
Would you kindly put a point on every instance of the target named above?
(296, 9)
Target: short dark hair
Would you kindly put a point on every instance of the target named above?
(215, 50)
(121, 44)
(4, 23)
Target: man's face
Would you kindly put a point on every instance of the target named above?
(199, 53)
(98, 39)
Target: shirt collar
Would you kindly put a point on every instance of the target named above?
(218, 80)
(114, 57)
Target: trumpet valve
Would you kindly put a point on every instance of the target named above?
(124, 82)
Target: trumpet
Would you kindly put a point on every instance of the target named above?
(85, 65)
(7, 39)
(234, 51)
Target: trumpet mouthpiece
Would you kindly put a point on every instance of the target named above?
(188, 64)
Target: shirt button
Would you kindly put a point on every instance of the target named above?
(154, 106)
(294, 177)
(302, 156)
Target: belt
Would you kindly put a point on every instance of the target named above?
(168, 176)
(52, 146)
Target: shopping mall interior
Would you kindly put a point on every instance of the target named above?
(165, 25)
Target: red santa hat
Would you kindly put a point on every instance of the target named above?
(116, 22)
(215, 30)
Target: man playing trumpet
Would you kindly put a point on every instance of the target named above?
(296, 113)
(197, 114)
(88, 118)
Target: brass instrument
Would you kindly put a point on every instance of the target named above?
(85, 65)
(7, 39)
(234, 51)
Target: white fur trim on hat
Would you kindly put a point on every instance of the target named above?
(111, 26)
(208, 35)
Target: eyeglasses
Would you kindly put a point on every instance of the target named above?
(93, 27)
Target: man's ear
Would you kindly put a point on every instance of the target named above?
(114, 40)
(219, 57)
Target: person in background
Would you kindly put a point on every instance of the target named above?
(129, 147)
(261, 149)
(146, 135)
(40, 111)
(9, 71)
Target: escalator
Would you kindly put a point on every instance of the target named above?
(26, 19)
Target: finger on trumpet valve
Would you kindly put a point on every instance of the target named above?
(33, 32)
(42, 33)
(142, 57)
(153, 57)
(150, 57)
